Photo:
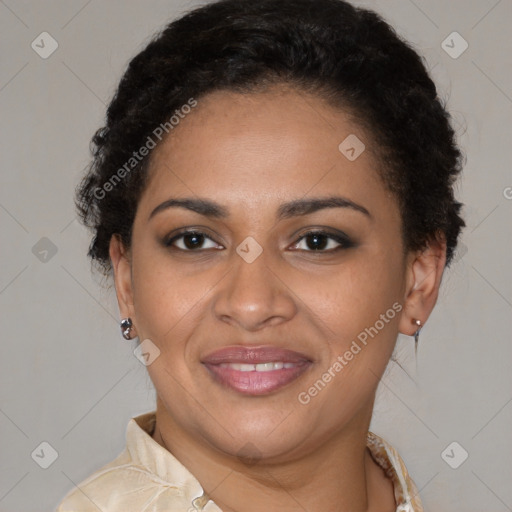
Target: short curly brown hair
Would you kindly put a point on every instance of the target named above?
(349, 56)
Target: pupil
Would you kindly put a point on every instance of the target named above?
(316, 237)
(197, 240)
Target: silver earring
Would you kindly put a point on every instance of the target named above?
(126, 327)
(417, 336)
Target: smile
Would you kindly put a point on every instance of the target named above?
(260, 367)
(255, 370)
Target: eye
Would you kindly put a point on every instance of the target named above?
(323, 241)
(312, 241)
(190, 240)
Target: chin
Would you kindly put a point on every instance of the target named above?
(254, 438)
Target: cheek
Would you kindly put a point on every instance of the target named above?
(164, 298)
(354, 295)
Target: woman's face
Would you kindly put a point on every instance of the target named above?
(253, 288)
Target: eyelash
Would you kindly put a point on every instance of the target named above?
(343, 240)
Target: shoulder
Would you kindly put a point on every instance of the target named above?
(143, 474)
(406, 492)
(119, 486)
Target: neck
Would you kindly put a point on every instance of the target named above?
(340, 475)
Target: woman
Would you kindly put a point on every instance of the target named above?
(273, 196)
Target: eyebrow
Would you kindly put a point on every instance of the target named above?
(294, 208)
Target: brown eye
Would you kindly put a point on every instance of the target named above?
(190, 241)
(323, 241)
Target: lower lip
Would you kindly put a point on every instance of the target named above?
(256, 383)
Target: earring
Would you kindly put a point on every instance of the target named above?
(126, 327)
(417, 336)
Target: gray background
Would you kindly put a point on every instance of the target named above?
(66, 375)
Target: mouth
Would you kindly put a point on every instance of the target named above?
(255, 370)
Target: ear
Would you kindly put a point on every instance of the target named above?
(424, 273)
(121, 265)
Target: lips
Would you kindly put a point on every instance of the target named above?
(255, 370)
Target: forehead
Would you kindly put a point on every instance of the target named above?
(254, 149)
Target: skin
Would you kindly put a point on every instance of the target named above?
(250, 154)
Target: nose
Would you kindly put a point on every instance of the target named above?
(253, 295)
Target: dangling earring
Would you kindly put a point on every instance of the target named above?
(126, 327)
(417, 336)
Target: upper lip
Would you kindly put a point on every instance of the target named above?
(257, 354)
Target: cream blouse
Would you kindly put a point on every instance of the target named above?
(146, 477)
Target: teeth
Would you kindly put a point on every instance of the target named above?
(260, 367)
(266, 367)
